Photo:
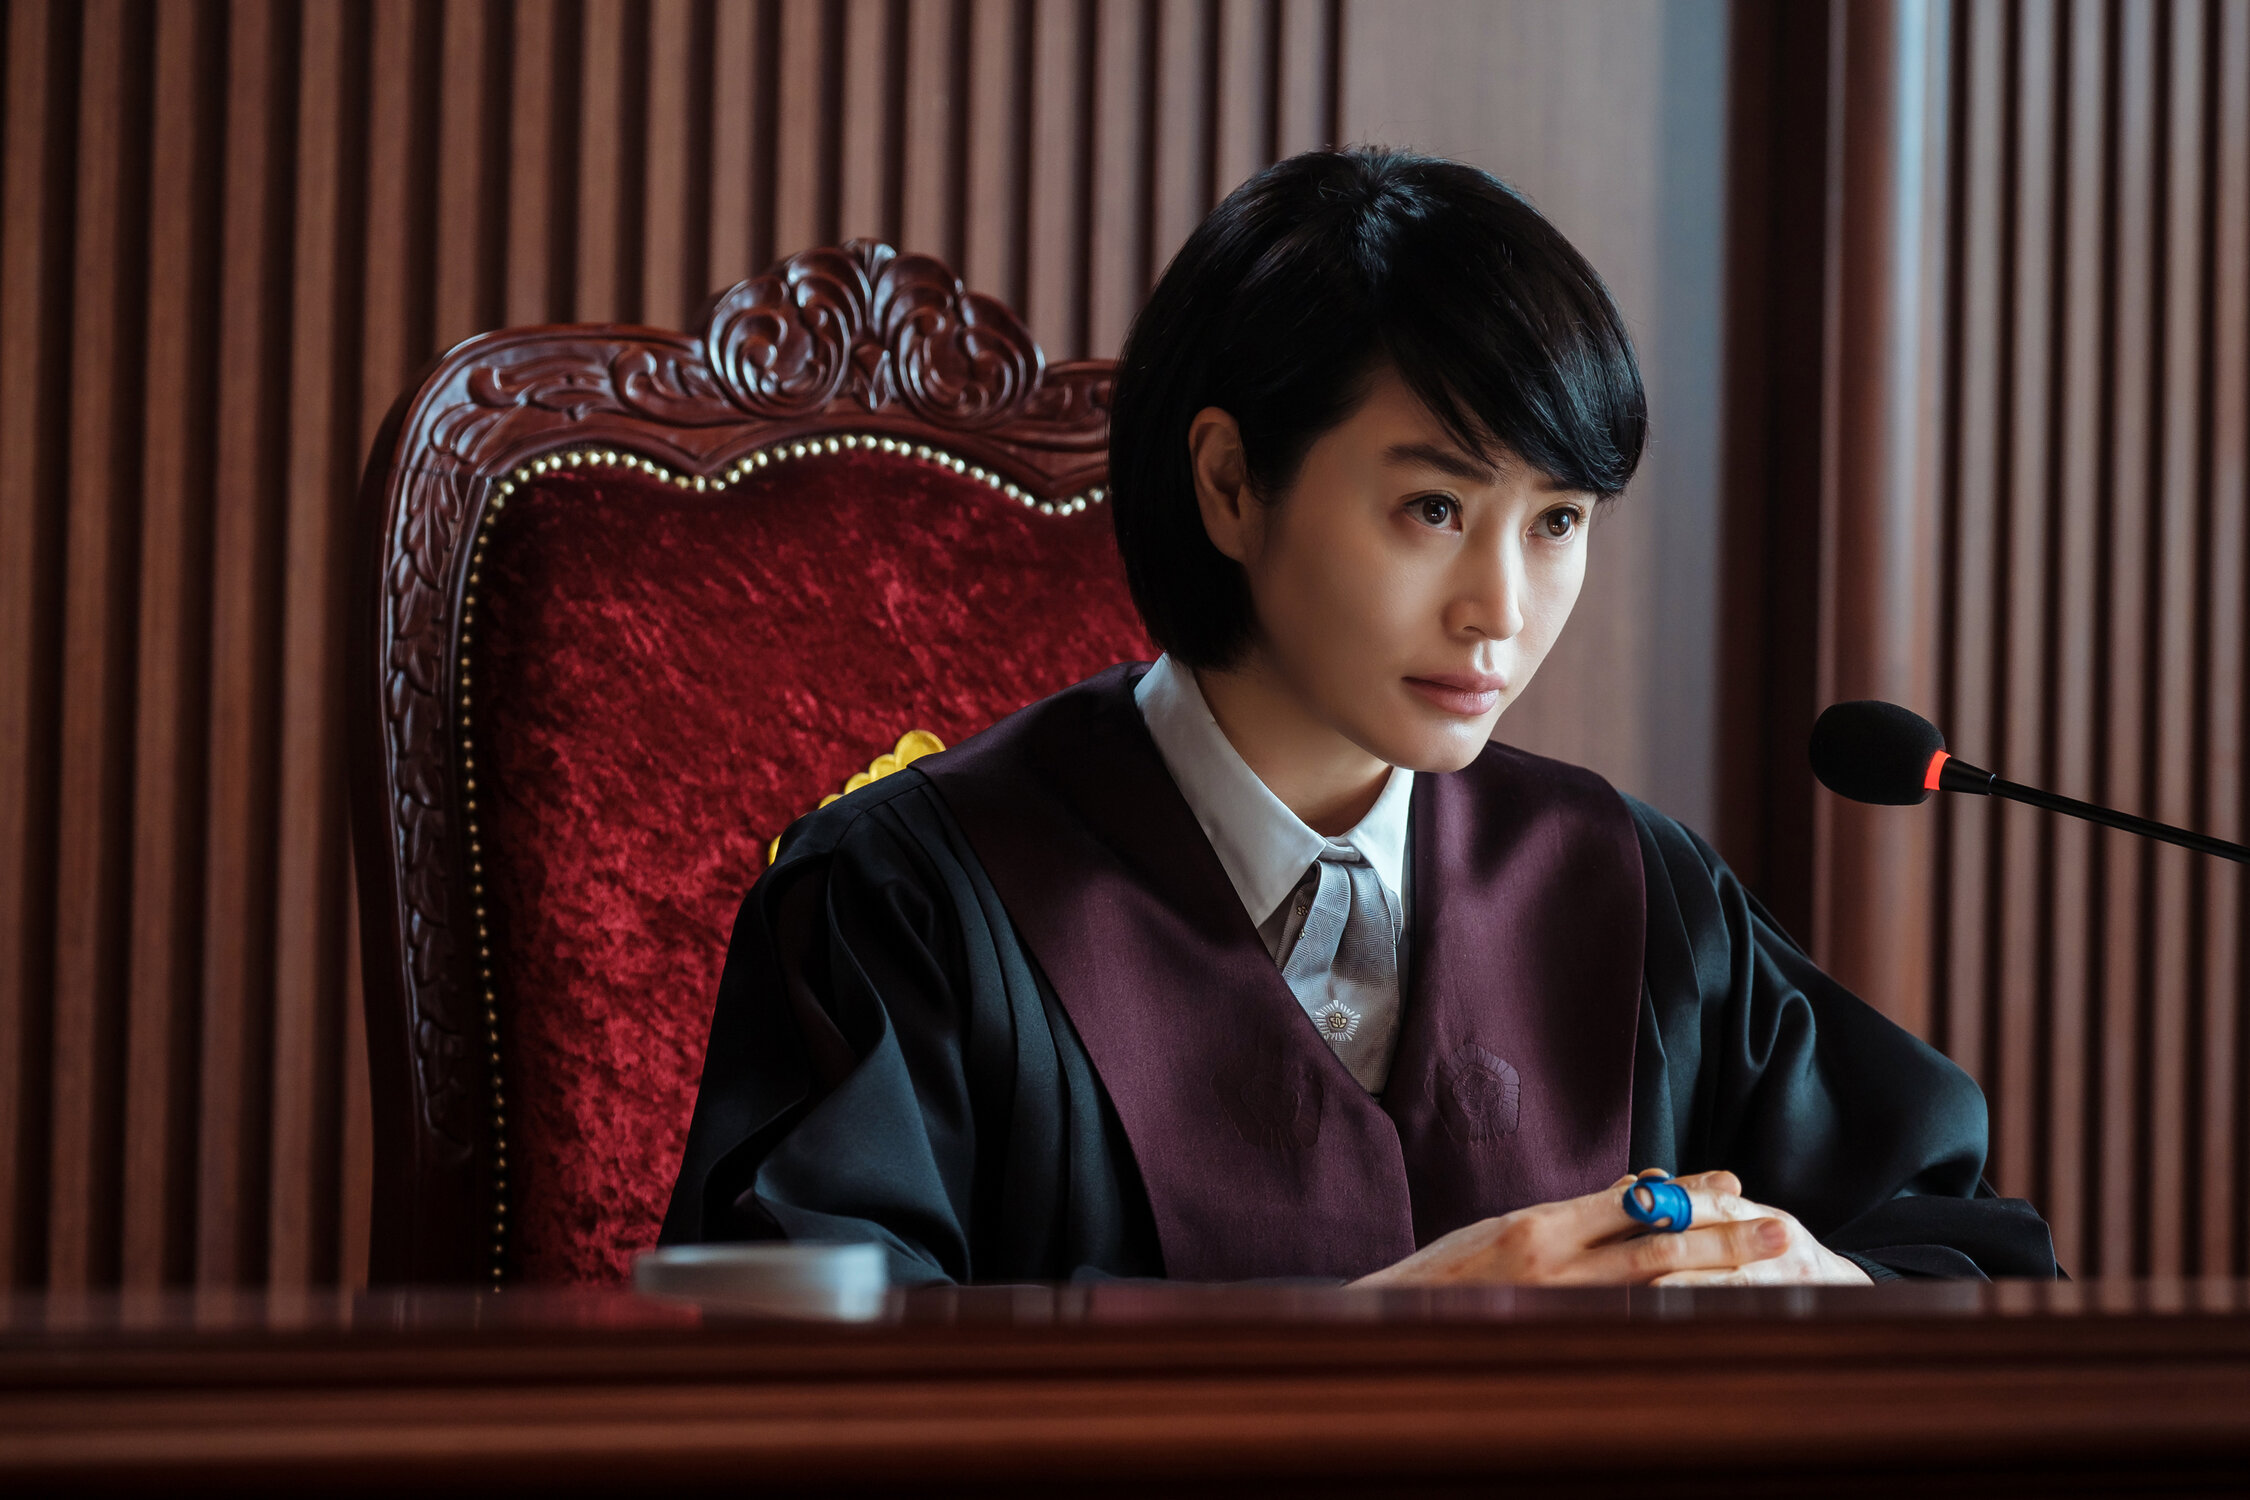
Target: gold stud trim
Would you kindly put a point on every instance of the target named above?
(760, 458)
(912, 746)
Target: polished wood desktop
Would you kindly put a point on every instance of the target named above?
(1126, 1388)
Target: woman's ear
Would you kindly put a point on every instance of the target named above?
(1231, 516)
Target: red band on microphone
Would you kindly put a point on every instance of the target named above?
(1937, 764)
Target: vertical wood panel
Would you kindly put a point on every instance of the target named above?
(1181, 123)
(667, 298)
(233, 231)
(991, 254)
(601, 149)
(168, 741)
(863, 175)
(355, 1213)
(30, 532)
(930, 210)
(1117, 272)
(1880, 560)
(2173, 628)
(257, 269)
(2069, 1125)
(1303, 113)
(800, 170)
(462, 166)
(2020, 642)
(1242, 132)
(1982, 242)
(98, 618)
(1054, 298)
(2122, 1184)
(733, 144)
(2220, 1246)
(305, 826)
(531, 163)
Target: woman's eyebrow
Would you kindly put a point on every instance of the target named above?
(1445, 460)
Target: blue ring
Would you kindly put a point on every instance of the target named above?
(1666, 1200)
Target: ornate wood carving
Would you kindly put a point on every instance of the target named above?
(856, 336)
(827, 339)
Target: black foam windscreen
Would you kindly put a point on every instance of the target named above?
(1872, 751)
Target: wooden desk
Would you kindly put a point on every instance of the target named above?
(1949, 1389)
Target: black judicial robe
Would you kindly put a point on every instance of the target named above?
(1002, 1013)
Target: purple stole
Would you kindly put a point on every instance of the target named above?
(1260, 1154)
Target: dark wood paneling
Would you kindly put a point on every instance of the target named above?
(41, 122)
(344, 189)
(2217, 1038)
(2075, 555)
(233, 231)
(101, 551)
(251, 379)
(2098, 974)
(169, 748)
(338, 375)
(2085, 396)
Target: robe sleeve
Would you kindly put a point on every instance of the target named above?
(810, 1125)
(1752, 1060)
(885, 1066)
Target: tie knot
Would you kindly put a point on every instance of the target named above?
(1336, 852)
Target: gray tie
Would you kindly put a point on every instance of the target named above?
(1343, 967)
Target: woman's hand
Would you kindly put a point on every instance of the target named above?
(1802, 1261)
(1592, 1241)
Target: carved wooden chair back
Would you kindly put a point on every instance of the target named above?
(629, 602)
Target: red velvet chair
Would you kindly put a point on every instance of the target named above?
(628, 603)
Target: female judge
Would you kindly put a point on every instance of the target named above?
(1265, 960)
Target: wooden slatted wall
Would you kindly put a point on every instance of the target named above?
(2095, 533)
(232, 231)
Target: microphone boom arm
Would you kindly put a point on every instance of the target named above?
(1957, 776)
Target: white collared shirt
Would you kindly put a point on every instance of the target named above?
(1267, 851)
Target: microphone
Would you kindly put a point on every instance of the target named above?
(1871, 751)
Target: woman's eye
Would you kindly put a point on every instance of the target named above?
(1435, 511)
(1561, 525)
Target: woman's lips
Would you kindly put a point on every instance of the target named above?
(1468, 695)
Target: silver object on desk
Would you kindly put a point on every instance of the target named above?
(846, 1282)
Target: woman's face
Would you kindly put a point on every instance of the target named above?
(1405, 591)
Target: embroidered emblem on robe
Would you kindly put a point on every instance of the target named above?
(1482, 1099)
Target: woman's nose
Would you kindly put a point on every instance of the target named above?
(1490, 600)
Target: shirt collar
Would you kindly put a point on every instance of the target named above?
(1263, 846)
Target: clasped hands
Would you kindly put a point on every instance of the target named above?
(1591, 1241)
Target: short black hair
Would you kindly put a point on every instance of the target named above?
(1286, 299)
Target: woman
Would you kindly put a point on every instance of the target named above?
(1265, 961)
